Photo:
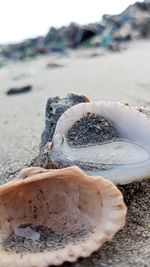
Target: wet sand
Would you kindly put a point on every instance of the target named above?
(118, 76)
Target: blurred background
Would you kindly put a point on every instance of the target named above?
(30, 18)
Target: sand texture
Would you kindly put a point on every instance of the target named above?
(118, 76)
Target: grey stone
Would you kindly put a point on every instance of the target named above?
(55, 107)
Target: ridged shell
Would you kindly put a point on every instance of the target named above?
(85, 212)
(123, 160)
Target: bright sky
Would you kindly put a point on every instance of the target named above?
(20, 19)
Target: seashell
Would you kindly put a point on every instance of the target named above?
(52, 216)
(103, 138)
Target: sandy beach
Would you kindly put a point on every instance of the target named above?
(119, 76)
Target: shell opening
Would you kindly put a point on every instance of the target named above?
(94, 143)
(103, 138)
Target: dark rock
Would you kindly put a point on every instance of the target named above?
(144, 28)
(55, 107)
(77, 34)
(20, 90)
(132, 23)
(72, 35)
(144, 6)
(53, 65)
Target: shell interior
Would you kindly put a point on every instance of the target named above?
(55, 212)
(52, 216)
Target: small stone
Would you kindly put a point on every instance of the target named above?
(19, 90)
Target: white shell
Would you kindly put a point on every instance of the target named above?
(65, 200)
(129, 157)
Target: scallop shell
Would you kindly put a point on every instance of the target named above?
(53, 216)
(122, 157)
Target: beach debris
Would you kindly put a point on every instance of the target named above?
(55, 220)
(19, 90)
(103, 138)
(53, 65)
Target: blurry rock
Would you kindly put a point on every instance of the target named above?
(53, 65)
(145, 28)
(144, 6)
(55, 107)
(54, 36)
(132, 23)
(77, 34)
(96, 54)
(124, 33)
(19, 90)
(40, 46)
(107, 41)
(72, 35)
